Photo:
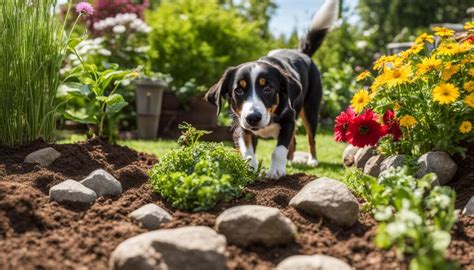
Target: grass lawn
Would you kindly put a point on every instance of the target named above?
(329, 152)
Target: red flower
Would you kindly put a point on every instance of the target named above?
(391, 125)
(342, 123)
(364, 130)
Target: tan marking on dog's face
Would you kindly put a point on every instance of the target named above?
(262, 82)
(273, 108)
(243, 83)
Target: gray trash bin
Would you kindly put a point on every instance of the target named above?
(149, 97)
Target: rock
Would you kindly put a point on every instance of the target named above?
(151, 216)
(439, 163)
(72, 191)
(328, 198)
(248, 224)
(469, 208)
(349, 155)
(312, 262)
(102, 183)
(185, 248)
(372, 167)
(363, 155)
(392, 162)
(44, 156)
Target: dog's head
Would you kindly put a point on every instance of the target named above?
(255, 91)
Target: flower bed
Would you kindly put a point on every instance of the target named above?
(36, 232)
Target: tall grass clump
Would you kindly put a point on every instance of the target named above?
(32, 50)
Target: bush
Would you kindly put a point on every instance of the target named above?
(413, 217)
(426, 99)
(200, 39)
(199, 174)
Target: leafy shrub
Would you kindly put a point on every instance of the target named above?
(199, 174)
(429, 96)
(414, 217)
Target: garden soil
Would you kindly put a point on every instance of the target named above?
(36, 233)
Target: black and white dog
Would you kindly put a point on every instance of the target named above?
(267, 95)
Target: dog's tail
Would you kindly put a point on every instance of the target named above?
(322, 21)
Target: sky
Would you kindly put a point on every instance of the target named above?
(299, 13)
(295, 13)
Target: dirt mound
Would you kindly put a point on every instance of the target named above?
(36, 233)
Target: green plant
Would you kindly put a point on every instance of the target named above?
(33, 45)
(197, 175)
(414, 217)
(96, 90)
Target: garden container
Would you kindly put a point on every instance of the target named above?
(149, 98)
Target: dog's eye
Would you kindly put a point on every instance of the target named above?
(239, 91)
(267, 89)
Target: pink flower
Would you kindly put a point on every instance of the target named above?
(84, 8)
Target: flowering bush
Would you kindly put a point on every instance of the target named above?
(419, 100)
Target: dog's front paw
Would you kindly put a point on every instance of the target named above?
(275, 173)
(312, 162)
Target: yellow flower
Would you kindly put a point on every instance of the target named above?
(467, 59)
(445, 93)
(383, 60)
(428, 64)
(469, 26)
(465, 127)
(360, 100)
(469, 101)
(363, 75)
(449, 71)
(424, 38)
(443, 32)
(465, 47)
(396, 107)
(378, 82)
(471, 72)
(407, 121)
(448, 49)
(397, 76)
(469, 86)
(415, 49)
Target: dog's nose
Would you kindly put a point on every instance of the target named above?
(254, 118)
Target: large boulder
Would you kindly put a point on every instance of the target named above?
(44, 156)
(348, 155)
(73, 192)
(248, 224)
(328, 198)
(186, 248)
(103, 183)
(151, 216)
(372, 167)
(312, 262)
(363, 155)
(439, 163)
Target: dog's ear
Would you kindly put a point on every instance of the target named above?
(221, 89)
(291, 87)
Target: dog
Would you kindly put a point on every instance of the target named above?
(266, 96)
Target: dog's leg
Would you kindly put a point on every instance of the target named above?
(247, 143)
(280, 154)
(310, 127)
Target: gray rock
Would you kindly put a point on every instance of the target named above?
(72, 191)
(439, 163)
(103, 183)
(328, 198)
(469, 208)
(186, 248)
(44, 156)
(392, 162)
(372, 167)
(348, 155)
(248, 224)
(363, 155)
(312, 262)
(151, 216)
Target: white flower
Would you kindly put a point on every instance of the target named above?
(119, 29)
(110, 21)
(361, 44)
(143, 49)
(105, 52)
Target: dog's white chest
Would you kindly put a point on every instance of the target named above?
(270, 131)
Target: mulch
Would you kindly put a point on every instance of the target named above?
(36, 233)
